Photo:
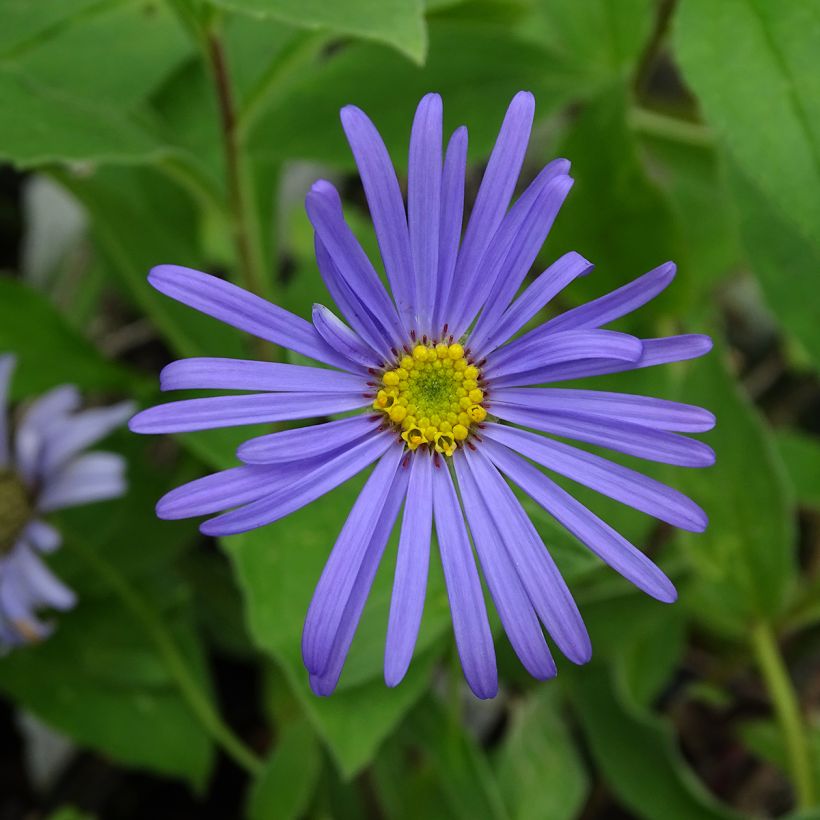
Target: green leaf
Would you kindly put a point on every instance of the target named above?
(278, 567)
(70, 813)
(286, 786)
(476, 68)
(784, 260)
(49, 350)
(538, 767)
(51, 126)
(744, 563)
(464, 774)
(399, 23)
(127, 49)
(24, 24)
(765, 101)
(615, 215)
(636, 752)
(100, 681)
(801, 455)
(765, 739)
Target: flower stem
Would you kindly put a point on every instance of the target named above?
(177, 666)
(241, 198)
(787, 710)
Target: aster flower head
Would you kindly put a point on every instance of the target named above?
(442, 382)
(43, 468)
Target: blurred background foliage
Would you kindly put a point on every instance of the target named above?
(136, 132)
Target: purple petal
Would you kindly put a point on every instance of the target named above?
(410, 580)
(520, 357)
(296, 494)
(452, 213)
(44, 587)
(324, 209)
(325, 685)
(509, 595)
(234, 411)
(7, 364)
(88, 478)
(474, 640)
(384, 199)
(339, 336)
(424, 174)
(306, 442)
(613, 305)
(352, 306)
(239, 308)
(548, 284)
(494, 194)
(241, 374)
(346, 579)
(514, 248)
(78, 432)
(613, 433)
(598, 536)
(655, 351)
(42, 536)
(660, 414)
(543, 582)
(610, 479)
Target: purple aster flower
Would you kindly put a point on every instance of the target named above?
(42, 469)
(442, 379)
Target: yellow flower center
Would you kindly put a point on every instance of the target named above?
(15, 510)
(432, 396)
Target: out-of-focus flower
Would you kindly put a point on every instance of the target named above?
(43, 468)
(445, 384)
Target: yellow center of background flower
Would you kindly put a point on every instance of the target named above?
(433, 397)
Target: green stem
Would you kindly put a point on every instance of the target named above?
(787, 710)
(176, 664)
(671, 128)
(241, 198)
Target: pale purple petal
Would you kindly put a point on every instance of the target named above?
(237, 307)
(306, 442)
(410, 579)
(538, 573)
(655, 351)
(474, 640)
(611, 432)
(514, 249)
(233, 411)
(324, 209)
(509, 595)
(613, 480)
(424, 174)
(545, 287)
(598, 536)
(452, 213)
(88, 478)
(660, 414)
(42, 536)
(241, 374)
(325, 685)
(519, 358)
(7, 363)
(384, 199)
(615, 304)
(345, 564)
(302, 491)
(71, 435)
(352, 306)
(339, 336)
(495, 192)
(44, 587)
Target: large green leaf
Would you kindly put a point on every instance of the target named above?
(744, 563)
(278, 567)
(538, 767)
(399, 23)
(764, 102)
(49, 351)
(801, 455)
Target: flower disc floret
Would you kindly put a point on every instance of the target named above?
(432, 396)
